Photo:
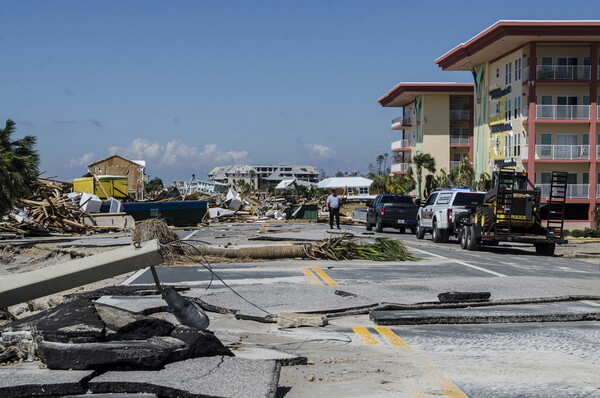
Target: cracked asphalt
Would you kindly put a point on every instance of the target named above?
(529, 355)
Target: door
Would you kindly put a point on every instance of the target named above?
(566, 107)
(566, 147)
(566, 68)
(427, 211)
(544, 151)
(546, 70)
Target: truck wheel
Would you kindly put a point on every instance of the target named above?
(413, 231)
(369, 226)
(378, 225)
(402, 230)
(420, 232)
(472, 240)
(488, 219)
(545, 249)
(436, 234)
(462, 236)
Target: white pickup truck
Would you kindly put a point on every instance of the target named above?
(444, 211)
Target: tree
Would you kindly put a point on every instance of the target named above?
(252, 180)
(379, 161)
(422, 161)
(463, 174)
(18, 168)
(385, 156)
(154, 186)
(339, 174)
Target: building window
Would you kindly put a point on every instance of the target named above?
(508, 110)
(508, 73)
(517, 107)
(497, 72)
(517, 145)
(363, 191)
(518, 69)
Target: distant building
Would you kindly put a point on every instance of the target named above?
(116, 165)
(351, 187)
(260, 175)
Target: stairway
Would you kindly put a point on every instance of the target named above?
(556, 204)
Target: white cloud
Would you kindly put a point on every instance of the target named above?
(83, 160)
(176, 153)
(320, 152)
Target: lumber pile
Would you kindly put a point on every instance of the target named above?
(48, 210)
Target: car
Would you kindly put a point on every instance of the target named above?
(393, 211)
(445, 211)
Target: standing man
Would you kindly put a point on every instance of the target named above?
(333, 205)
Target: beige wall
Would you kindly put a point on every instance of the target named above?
(436, 128)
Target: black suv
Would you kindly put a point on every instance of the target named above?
(394, 211)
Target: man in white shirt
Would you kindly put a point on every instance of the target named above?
(333, 205)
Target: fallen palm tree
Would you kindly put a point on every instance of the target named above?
(339, 248)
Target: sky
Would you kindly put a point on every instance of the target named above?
(191, 85)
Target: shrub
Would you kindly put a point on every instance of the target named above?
(566, 232)
(577, 233)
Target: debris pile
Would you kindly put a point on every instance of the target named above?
(54, 209)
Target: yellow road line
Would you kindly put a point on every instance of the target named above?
(366, 336)
(325, 277)
(311, 277)
(445, 386)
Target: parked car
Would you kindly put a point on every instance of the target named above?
(393, 211)
(445, 211)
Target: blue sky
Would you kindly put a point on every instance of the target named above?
(190, 85)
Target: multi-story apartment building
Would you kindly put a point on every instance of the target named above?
(260, 175)
(537, 103)
(436, 119)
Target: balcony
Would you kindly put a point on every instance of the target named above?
(598, 152)
(563, 112)
(402, 144)
(460, 114)
(563, 72)
(597, 190)
(459, 140)
(401, 121)
(561, 152)
(574, 191)
(399, 167)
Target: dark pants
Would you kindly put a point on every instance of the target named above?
(334, 212)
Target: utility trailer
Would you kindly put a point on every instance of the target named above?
(511, 213)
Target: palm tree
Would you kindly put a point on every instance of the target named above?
(463, 174)
(18, 167)
(422, 161)
(385, 156)
(379, 161)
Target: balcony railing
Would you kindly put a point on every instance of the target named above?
(563, 72)
(526, 73)
(460, 140)
(574, 191)
(460, 114)
(568, 112)
(399, 167)
(402, 121)
(562, 152)
(402, 144)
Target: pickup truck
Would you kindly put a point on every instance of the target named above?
(445, 211)
(393, 211)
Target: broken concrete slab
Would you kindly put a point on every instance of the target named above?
(281, 297)
(144, 305)
(546, 312)
(262, 353)
(152, 353)
(125, 325)
(195, 378)
(72, 321)
(462, 297)
(287, 320)
(28, 379)
(199, 343)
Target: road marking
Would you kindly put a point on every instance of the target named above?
(190, 235)
(431, 254)
(311, 277)
(324, 276)
(588, 302)
(366, 336)
(461, 263)
(479, 268)
(391, 337)
(443, 386)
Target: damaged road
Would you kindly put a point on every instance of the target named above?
(351, 328)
